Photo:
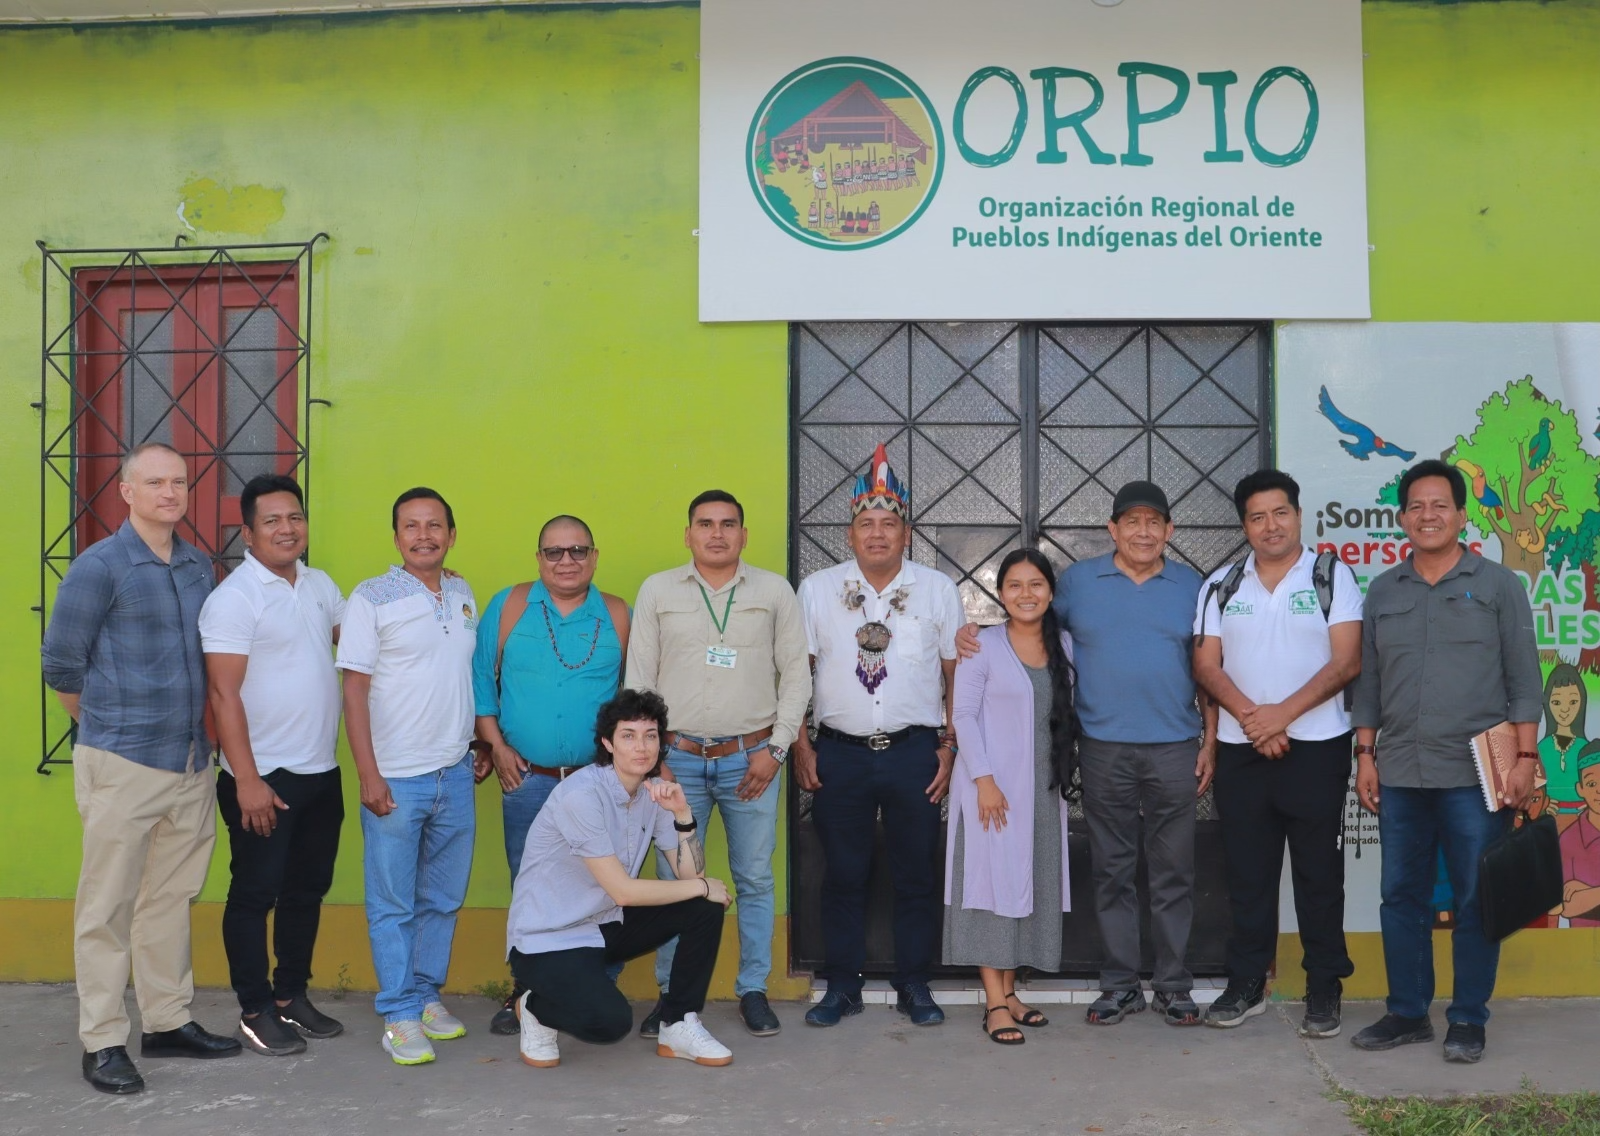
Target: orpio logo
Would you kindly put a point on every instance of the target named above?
(845, 153)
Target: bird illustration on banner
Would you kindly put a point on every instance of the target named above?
(1539, 445)
(1488, 500)
(1366, 441)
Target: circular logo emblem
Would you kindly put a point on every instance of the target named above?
(845, 153)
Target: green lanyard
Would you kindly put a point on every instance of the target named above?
(722, 628)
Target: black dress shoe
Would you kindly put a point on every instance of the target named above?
(111, 1071)
(187, 1040)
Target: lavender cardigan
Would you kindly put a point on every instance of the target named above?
(994, 728)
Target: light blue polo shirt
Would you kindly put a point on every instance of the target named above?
(1132, 645)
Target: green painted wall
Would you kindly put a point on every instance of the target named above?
(506, 308)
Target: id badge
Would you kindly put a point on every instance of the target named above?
(725, 657)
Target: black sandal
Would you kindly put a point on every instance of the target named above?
(1033, 1018)
(994, 1034)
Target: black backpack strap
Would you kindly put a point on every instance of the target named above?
(1224, 590)
(1322, 580)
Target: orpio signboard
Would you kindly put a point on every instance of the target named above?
(1032, 159)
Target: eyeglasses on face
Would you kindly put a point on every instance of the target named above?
(578, 552)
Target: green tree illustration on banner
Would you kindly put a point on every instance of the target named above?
(1529, 480)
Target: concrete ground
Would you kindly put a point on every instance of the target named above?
(871, 1074)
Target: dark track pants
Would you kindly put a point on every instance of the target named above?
(570, 990)
(1297, 800)
(287, 873)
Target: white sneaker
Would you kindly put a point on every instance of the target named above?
(538, 1041)
(440, 1024)
(690, 1040)
(407, 1044)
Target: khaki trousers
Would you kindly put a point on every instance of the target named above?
(147, 837)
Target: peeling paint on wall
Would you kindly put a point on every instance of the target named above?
(205, 205)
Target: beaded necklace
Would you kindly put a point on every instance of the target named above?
(551, 630)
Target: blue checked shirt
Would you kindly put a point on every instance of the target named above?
(124, 635)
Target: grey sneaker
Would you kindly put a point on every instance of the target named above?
(1114, 1005)
(407, 1044)
(1243, 999)
(1322, 1016)
(1177, 1007)
(440, 1024)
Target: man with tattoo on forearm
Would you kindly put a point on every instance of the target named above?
(578, 905)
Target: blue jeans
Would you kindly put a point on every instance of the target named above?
(752, 830)
(1413, 825)
(518, 810)
(418, 859)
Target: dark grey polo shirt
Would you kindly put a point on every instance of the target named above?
(1440, 663)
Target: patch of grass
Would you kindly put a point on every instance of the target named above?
(342, 982)
(1525, 1113)
(497, 991)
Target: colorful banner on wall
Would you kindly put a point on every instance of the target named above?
(1515, 407)
(1032, 159)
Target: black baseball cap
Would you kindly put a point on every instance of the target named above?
(1140, 493)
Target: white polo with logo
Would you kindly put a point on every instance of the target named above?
(418, 650)
(1273, 642)
(290, 690)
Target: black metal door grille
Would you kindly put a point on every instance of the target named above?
(246, 366)
(1012, 434)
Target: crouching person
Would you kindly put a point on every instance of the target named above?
(578, 905)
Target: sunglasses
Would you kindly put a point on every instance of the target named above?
(578, 552)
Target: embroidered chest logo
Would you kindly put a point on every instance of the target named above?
(1239, 607)
(1303, 603)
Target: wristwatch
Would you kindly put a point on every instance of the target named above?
(779, 754)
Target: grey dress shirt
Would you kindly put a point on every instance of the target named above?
(1440, 663)
(124, 635)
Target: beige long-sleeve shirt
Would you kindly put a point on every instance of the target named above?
(674, 633)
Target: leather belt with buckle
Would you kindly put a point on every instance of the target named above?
(878, 741)
(559, 772)
(685, 744)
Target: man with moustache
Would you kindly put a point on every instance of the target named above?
(881, 633)
(406, 651)
(549, 655)
(1143, 754)
(1447, 651)
(122, 653)
(269, 631)
(722, 642)
(1274, 658)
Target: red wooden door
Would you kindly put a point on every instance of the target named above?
(203, 358)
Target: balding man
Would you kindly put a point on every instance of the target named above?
(123, 655)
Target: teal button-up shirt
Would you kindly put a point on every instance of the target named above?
(548, 695)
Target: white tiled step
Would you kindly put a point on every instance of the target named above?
(1040, 992)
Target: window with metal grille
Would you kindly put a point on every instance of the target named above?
(204, 349)
(1011, 434)
(1021, 433)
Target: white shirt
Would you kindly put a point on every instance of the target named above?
(290, 690)
(1273, 642)
(418, 651)
(912, 693)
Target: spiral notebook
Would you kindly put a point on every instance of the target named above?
(1495, 753)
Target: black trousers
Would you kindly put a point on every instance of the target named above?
(288, 872)
(1298, 799)
(856, 783)
(570, 990)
